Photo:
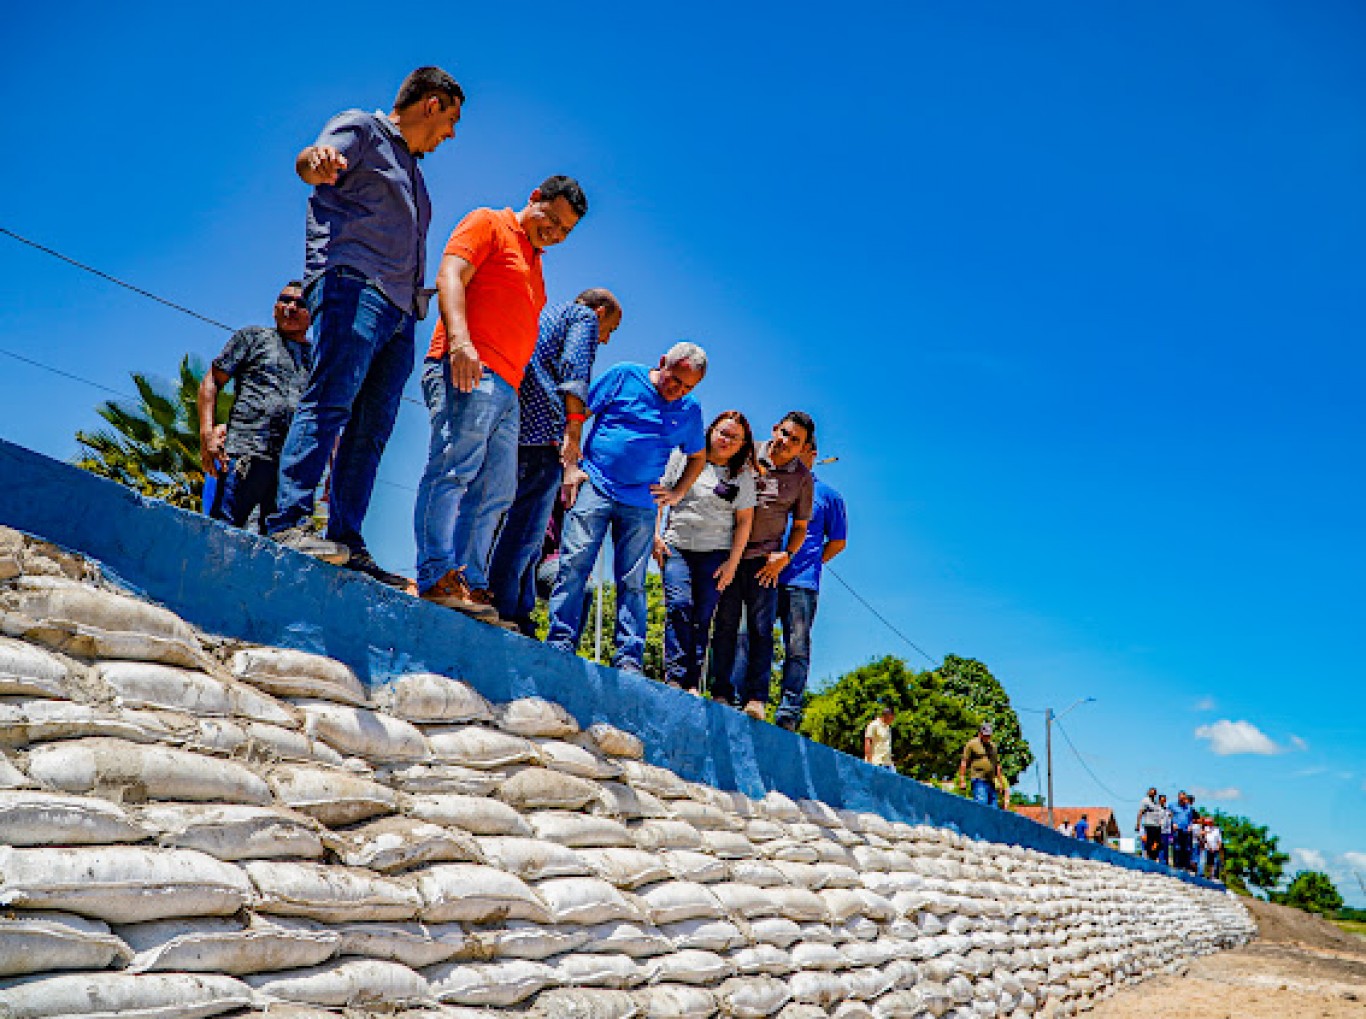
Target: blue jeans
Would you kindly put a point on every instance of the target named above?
(363, 357)
(246, 485)
(984, 791)
(690, 598)
(797, 611)
(759, 605)
(471, 474)
(518, 551)
(585, 526)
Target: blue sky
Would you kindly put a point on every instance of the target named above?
(1074, 293)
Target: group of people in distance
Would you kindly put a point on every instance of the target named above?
(739, 528)
(1179, 836)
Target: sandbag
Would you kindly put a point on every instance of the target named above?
(33, 721)
(580, 830)
(82, 620)
(573, 759)
(601, 969)
(224, 946)
(415, 945)
(676, 1001)
(704, 816)
(708, 935)
(584, 900)
(532, 859)
(615, 742)
(584, 1003)
(534, 716)
(41, 942)
(617, 799)
(124, 996)
(50, 819)
(690, 866)
(625, 868)
(257, 742)
(345, 983)
(477, 815)
(469, 893)
(496, 984)
(427, 697)
(689, 966)
(656, 834)
(756, 872)
(638, 940)
(121, 884)
(521, 939)
(728, 845)
(330, 893)
(473, 746)
(776, 930)
(798, 904)
(671, 901)
(135, 772)
(752, 997)
(26, 670)
(761, 960)
(332, 796)
(287, 673)
(544, 788)
(817, 955)
(654, 779)
(747, 901)
(817, 988)
(360, 732)
(401, 843)
(233, 831)
(439, 778)
(148, 685)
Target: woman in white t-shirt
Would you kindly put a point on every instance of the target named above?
(698, 543)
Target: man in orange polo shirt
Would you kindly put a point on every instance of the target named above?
(491, 294)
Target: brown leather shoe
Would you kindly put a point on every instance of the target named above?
(452, 592)
(483, 596)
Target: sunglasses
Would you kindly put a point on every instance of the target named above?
(298, 302)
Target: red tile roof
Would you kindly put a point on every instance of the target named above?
(1097, 816)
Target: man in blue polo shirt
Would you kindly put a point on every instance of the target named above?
(640, 415)
(799, 588)
(1182, 816)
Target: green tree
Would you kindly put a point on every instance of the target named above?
(973, 683)
(1312, 891)
(152, 446)
(1252, 855)
(654, 630)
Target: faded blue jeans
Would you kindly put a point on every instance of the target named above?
(984, 792)
(690, 598)
(585, 527)
(363, 357)
(518, 552)
(471, 474)
(797, 613)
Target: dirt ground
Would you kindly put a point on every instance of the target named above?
(1300, 967)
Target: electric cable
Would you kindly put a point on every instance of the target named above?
(1071, 746)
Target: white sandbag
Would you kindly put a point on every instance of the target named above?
(470, 893)
(617, 799)
(51, 819)
(427, 697)
(233, 831)
(521, 939)
(776, 930)
(615, 742)
(817, 955)
(817, 988)
(496, 984)
(761, 829)
(534, 716)
(789, 849)
(690, 966)
(532, 859)
(333, 796)
(439, 778)
(41, 942)
(676, 1001)
(761, 960)
(148, 685)
(876, 907)
(708, 935)
(544, 788)
(400, 843)
(121, 884)
(599, 969)
(415, 945)
(704, 816)
(757, 872)
(838, 875)
(752, 997)
(654, 835)
(584, 900)
(798, 904)
(841, 904)
(797, 1010)
(910, 1004)
(473, 746)
(82, 620)
(690, 866)
(852, 1010)
(625, 868)
(287, 673)
(671, 901)
(136, 771)
(580, 830)
(585, 1003)
(747, 901)
(477, 815)
(728, 845)
(779, 807)
(124, 996)
(867, 983)
(655, 780)
(330, 893)
(345, 983)
(638, 940)
(26, 670)
(258, 742)
(224, 946)
(360, 732)
(573, 759)
(33, 721)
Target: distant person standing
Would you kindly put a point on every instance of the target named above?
(1214, 849)
(981, 764)
(366, 261)
(1183, 814)
(1166, 817)
(877, 738)
(269, 369)
(1082, 828)
(1149, 823)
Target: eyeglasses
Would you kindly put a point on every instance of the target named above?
(298, 302)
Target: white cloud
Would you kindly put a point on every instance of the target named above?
(1227, 737)
(1223, 795)
(1204, 704)
(1357, 861)
(1307, 859)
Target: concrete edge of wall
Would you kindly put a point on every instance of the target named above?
(238, 585)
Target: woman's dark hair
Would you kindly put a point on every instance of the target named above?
(745, 455)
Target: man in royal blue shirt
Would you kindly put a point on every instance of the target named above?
(1182, 816)
(640, 415)
(799, 587)
(554, 400)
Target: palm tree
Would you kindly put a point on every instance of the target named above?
(153, 446)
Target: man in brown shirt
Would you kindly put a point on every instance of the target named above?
(784, 492)
(981, 764)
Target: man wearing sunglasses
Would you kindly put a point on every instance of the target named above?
(269, 369)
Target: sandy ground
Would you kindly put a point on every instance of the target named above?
(1300, 967)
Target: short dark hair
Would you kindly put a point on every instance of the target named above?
(560, 186)
(801, 417)
(598, 297)
(427, 81)
(293, 285)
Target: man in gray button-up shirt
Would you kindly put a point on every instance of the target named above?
(367, 238)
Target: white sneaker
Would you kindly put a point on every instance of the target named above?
(301, 539)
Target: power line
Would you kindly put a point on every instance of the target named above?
(1071, 746)
(881, 618)
(65, 375)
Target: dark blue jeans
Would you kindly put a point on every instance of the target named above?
(363, 356)
(797, 612)
(690, 598)
(515, 557)
(758, 604)
(246, 485)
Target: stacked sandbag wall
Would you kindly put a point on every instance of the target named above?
(193, 827)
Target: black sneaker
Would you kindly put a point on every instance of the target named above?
(363, 562)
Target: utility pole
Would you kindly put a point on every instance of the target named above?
(1048, 750)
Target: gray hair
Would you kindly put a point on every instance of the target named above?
(687, 353)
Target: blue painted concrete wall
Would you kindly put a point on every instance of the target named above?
(236, 584)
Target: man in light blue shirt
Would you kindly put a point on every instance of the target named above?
(640, 415)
